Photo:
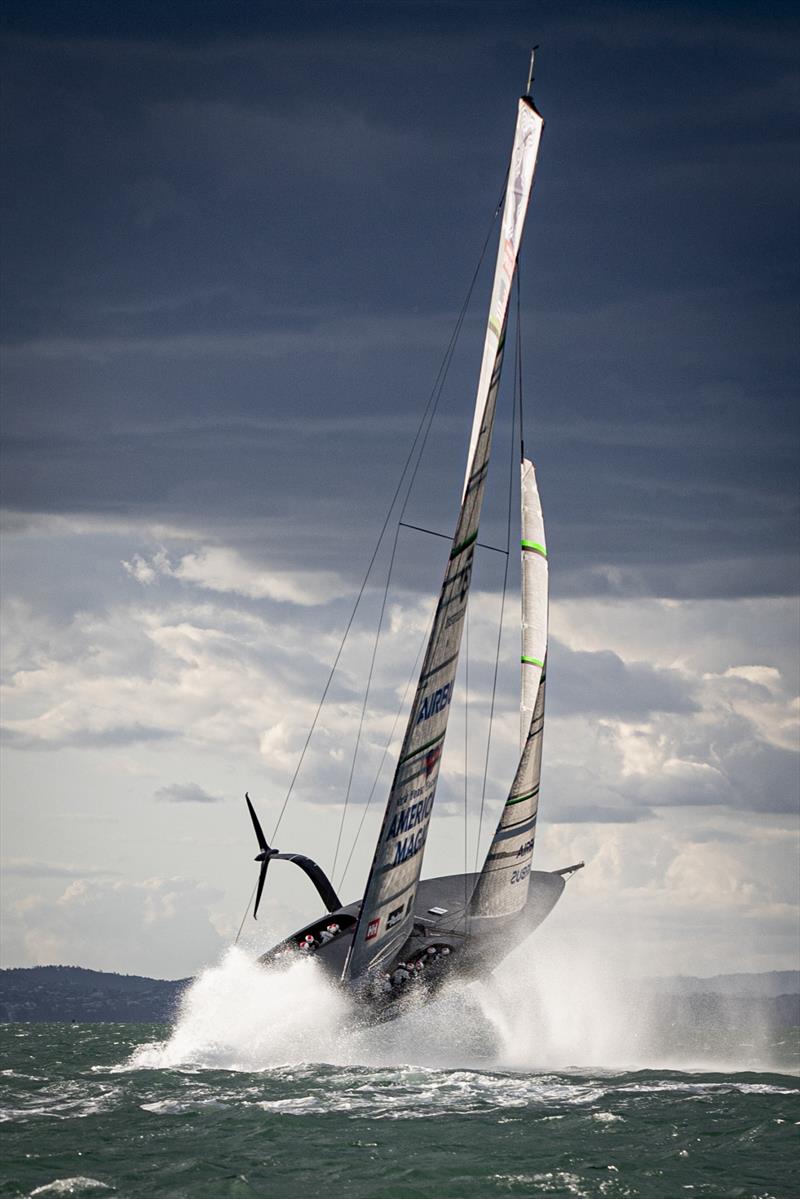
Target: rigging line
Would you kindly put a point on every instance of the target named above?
(428, 414)
(401, 523)
(366, 698)
(449, 537)
(453, 339)
(386, 747)
(424, 442)
(505, 585)
(246, 910)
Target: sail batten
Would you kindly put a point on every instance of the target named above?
(387, 911)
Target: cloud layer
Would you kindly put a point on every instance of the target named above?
(234, 261)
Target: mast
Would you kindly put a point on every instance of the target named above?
(387, 911)
(502, 888)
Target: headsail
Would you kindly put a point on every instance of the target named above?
(386, 916)
(502, 888)
(534, 597)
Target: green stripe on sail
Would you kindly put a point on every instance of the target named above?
(534, 545)
(459, 549)
(414, 752)
(519, 798)
(532, 661)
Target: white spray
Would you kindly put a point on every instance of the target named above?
(552, 1009)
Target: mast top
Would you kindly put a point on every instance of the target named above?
(530, 72)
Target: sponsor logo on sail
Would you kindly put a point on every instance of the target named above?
(526, 848)
(434, 703)
(407, 848)
(432, 759)
(410, 818)
(372, 929)
(394, 917)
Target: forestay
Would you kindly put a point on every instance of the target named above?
(502, 888)
(387, 911)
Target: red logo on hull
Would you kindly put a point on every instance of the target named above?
(372, 929)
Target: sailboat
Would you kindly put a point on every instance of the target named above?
(407, 936)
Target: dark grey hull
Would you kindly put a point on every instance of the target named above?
(474, 947)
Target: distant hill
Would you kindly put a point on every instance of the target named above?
(64, 993)
(67, 993)
(768, 984)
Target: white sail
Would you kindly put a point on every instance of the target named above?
(502, 888)
(387, 911)
(534, 596)
(518, 189)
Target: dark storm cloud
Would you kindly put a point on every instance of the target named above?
(230, 227)
(110, 738)
(590, 813)
(602, 683)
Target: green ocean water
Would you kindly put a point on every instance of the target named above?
(266, 1085)
(78, 1120)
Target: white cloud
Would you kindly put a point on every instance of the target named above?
(219, 569)
(665, 726)
(159, 926)
(147, 572)
(224, 570)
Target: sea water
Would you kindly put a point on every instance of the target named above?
(267, 1084)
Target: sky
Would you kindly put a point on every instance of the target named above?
(236, 240)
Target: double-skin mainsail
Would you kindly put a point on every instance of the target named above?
(387, 912)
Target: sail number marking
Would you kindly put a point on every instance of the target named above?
(518, 876)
